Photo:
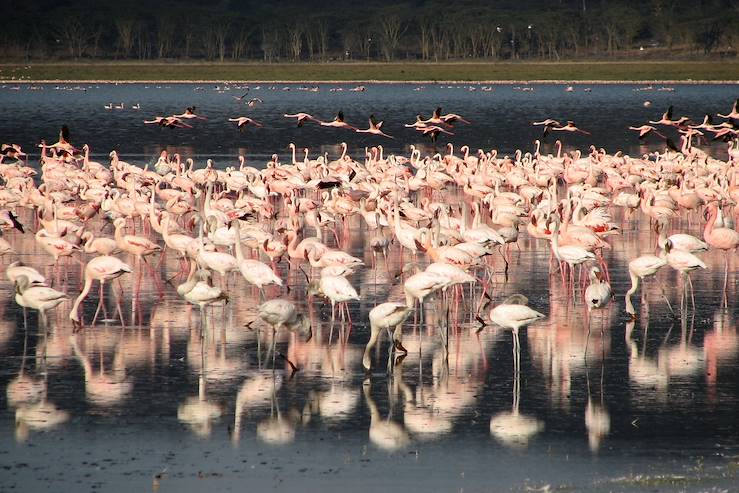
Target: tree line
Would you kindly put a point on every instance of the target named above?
(376, 30)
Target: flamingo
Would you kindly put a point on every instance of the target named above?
(102, 269)
(283, 314)
(302, 118)
(254, 271)
(338, 122)
(243, 121)
(101, 246)
(640, 268)
(386, 316)
(16, 269)
(374, 128)
(39, 298)
(722, 238)
(570, 254)
(337, 289)
(685, 263)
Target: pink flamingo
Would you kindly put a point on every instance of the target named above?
(102, 269)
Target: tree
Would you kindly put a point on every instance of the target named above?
(126, 33)
(391, 28)
(166, 29)
(295, 40)
(74, 35)
(323, 34)
(221, 29)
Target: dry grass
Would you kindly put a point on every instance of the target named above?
(391, 72)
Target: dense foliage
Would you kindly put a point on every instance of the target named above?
(323, 30)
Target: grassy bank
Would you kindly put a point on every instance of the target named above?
(298, 72)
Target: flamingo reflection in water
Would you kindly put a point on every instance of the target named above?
(513, 428)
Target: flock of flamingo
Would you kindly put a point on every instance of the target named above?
(456, 219)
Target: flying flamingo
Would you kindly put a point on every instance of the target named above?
(338, 122)
(189, 114)
(302, 118)
(433, 131)
(570, 127)
(645, 130)
(243, 121)
(374, 128)
(734, 114)
(167, 121)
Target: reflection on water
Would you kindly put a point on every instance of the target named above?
(601, 385)
(591, 402)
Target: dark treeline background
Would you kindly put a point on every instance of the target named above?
(378, 30)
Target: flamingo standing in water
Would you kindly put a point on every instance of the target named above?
(385, 316)
(685, 263)
(137, 246)
(722, 238)
(102, 269)
(283, 314)
(39, 298)
(597, 295)
(641, 268)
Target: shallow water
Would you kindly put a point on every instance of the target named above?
(173, 402)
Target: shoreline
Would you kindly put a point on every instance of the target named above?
(498, 82)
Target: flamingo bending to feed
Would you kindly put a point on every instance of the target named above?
(385, 316)
(102, 269)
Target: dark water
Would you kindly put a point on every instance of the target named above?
(172, 403)
(501, 118)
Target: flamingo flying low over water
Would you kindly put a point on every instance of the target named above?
(301, 118)
(374, 128)
(243, 121)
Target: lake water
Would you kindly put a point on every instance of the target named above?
(172, 402)
(501, 119)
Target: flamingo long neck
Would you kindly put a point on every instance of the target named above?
(465, 214)
(88, 244)
(74, 315)
(366, 359)
(292, 246)
(708, 229)
(119, 236)
(632, 290)
(237, 240)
